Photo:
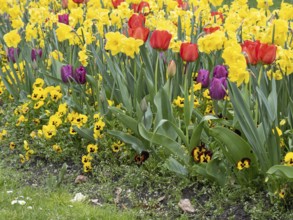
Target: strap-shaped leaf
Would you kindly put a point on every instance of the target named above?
(234, 147)
(135, 143)
(176, 167)
(282, 171)
(162, 140)
(128, 121)
(85, 133)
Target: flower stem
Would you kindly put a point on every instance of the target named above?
(156, 74)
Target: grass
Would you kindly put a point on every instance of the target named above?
(44, 204)
(146, 192)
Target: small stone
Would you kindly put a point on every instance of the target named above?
(79, 197)
(160, 199)
(96, 202)
(80, 179)
(21, 202)
(186, 206)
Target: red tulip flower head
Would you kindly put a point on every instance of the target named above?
(188, 52)
(267, 53)
(258, 52)
(116, 3)
(141, 33)
(144, 8)
(160, 40)
(80, 1)
(250, 50)
(136, 21)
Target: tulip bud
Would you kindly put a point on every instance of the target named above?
(143, 105)
(35, 53)
(218, 88)
(171, 69)
(203, 77)
(63, 19)
(66, 73)
(64, 4)
(12, 54)
(80, 75)
(220, 71)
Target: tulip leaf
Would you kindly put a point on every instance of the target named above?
(213, 170)
(128, 121)
(176, 167)
(162, 140)
(217, 170)
(85, 133)
(282, 171)
(164, 111)
(178, 131)
(135, 143)
(234, 147)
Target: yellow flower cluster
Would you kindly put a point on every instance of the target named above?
(119, 43)
(212, 42)
(236, 62)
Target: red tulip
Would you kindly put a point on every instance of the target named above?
(188, 52)
(141, 33)
(250, 50)
(116, 3)
(160, 40)
(215, 13)
(136, 21)
(134, 7)
(183, 5)
(267, 53)
(144, 8)
(80, 1)
(209, 30)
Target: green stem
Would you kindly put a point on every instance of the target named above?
(156, 74)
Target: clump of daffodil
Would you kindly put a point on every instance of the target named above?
(212, 42)
(235, 60)
(119, 43)
(12, 38)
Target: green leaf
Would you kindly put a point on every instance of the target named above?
(217, 170)
(162, 140)
(128, 121)
(135, 143)
(282, 171)
(197, 130)
(234, 147)
(164, 111)
(248, 126)
(175, 166)
(178, 131)
(85, 133)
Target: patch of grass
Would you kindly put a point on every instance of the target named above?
(42, 204)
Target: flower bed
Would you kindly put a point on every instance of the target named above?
(198, 86)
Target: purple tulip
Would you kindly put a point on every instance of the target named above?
(80, 75)
(203, 77)
(220, 71)
(12, 54)
(66, 73)
(35, 53)
(63, 19)
(218, 88)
